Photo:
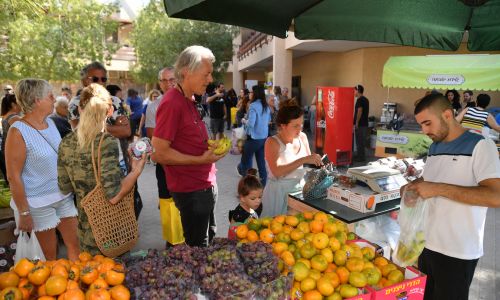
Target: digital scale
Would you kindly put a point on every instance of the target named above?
(380, 179)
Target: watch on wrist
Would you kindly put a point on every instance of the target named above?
(25, 213)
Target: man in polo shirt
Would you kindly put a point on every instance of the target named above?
(166, 81)
(180, 142)
(461, 180)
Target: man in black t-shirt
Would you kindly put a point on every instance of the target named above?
(361, 122)
(217, 110)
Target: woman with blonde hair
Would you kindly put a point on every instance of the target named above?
(75, 169)
(31, 157)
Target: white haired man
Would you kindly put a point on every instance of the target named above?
(60, 116)
(180, 142)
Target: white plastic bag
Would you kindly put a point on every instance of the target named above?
(238, 137)
(411, 220)
(28, 247)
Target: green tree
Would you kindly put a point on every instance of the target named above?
(158, 40)
(54, 39)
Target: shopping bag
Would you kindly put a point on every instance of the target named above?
(411, 219)
(28, 247)
(171, 222)
(238, 136)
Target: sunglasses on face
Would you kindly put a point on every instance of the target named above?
(96, 79)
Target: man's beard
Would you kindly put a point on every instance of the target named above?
(443, 132)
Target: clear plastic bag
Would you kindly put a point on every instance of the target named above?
(411, 220)
(28, 247)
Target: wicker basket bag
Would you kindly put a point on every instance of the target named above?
(113, 225)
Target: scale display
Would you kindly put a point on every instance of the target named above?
(379, 179)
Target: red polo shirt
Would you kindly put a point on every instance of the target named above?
(178, 121)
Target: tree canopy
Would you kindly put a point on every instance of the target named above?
(158, 40)
(54, 39)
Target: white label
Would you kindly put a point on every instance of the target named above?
(321, 124)
(446, 79)
(331, 103)
(393, 139)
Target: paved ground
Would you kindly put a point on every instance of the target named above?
(486, 284)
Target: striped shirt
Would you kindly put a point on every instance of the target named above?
(475, 119)
(39, 174)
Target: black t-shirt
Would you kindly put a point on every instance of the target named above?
(365, 105)
(216, 107)
(239, 214)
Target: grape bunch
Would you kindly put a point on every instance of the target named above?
(220, 261)
(276, 290)
(222, 285)
(259, 261)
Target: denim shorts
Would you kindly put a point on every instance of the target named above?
(48, 217)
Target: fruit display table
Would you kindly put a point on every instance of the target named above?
(348, 215)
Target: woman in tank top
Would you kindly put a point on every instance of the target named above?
(31, 158)
(475, 118)
(286, 153)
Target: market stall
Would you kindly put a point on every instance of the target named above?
(401, 137)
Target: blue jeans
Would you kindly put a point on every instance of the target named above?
(250, 148)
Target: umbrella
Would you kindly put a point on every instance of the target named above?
(461, 72)
(423, 23)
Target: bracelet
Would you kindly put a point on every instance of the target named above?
(25, 213)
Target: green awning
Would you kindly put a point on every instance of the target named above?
(435, 24)
(460, 72)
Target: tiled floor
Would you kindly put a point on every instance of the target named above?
(486, 284)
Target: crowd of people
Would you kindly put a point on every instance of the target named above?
(50, 146)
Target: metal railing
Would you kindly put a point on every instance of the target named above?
(256, 40)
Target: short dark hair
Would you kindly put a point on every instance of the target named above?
(359, 88)
(113, 89)
(289, 110)
(483, 100)
(249, 183)
(7, 102)
(219, 84)
(277, 90)
(468, 92)
(132, 93)
(437, 101)
(92, 66)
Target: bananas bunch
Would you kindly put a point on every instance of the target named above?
(221, 146)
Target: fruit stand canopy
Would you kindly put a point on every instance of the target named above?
(460, 72)
(423, 23)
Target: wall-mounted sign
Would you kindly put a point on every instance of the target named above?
(446, 79)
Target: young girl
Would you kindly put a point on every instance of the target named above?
(250, 194)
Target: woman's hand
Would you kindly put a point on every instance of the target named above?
(25, 223)
(313, 159)
(137, 165)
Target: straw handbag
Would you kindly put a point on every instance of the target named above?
(113, 225)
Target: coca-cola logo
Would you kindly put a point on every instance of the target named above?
(331, 103)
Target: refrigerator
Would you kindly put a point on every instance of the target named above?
(334, 123)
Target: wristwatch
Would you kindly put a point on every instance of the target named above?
(25, 213)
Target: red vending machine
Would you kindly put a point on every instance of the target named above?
(334, 115)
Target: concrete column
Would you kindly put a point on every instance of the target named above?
(237, 75)
(282, 64)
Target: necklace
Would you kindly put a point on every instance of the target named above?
(194, 113)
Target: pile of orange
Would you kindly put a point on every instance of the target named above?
(88, 278)
(317, 249)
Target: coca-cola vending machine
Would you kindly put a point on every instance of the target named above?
(334, 115)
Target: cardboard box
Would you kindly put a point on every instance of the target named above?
(360, 198)
(412, 288)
